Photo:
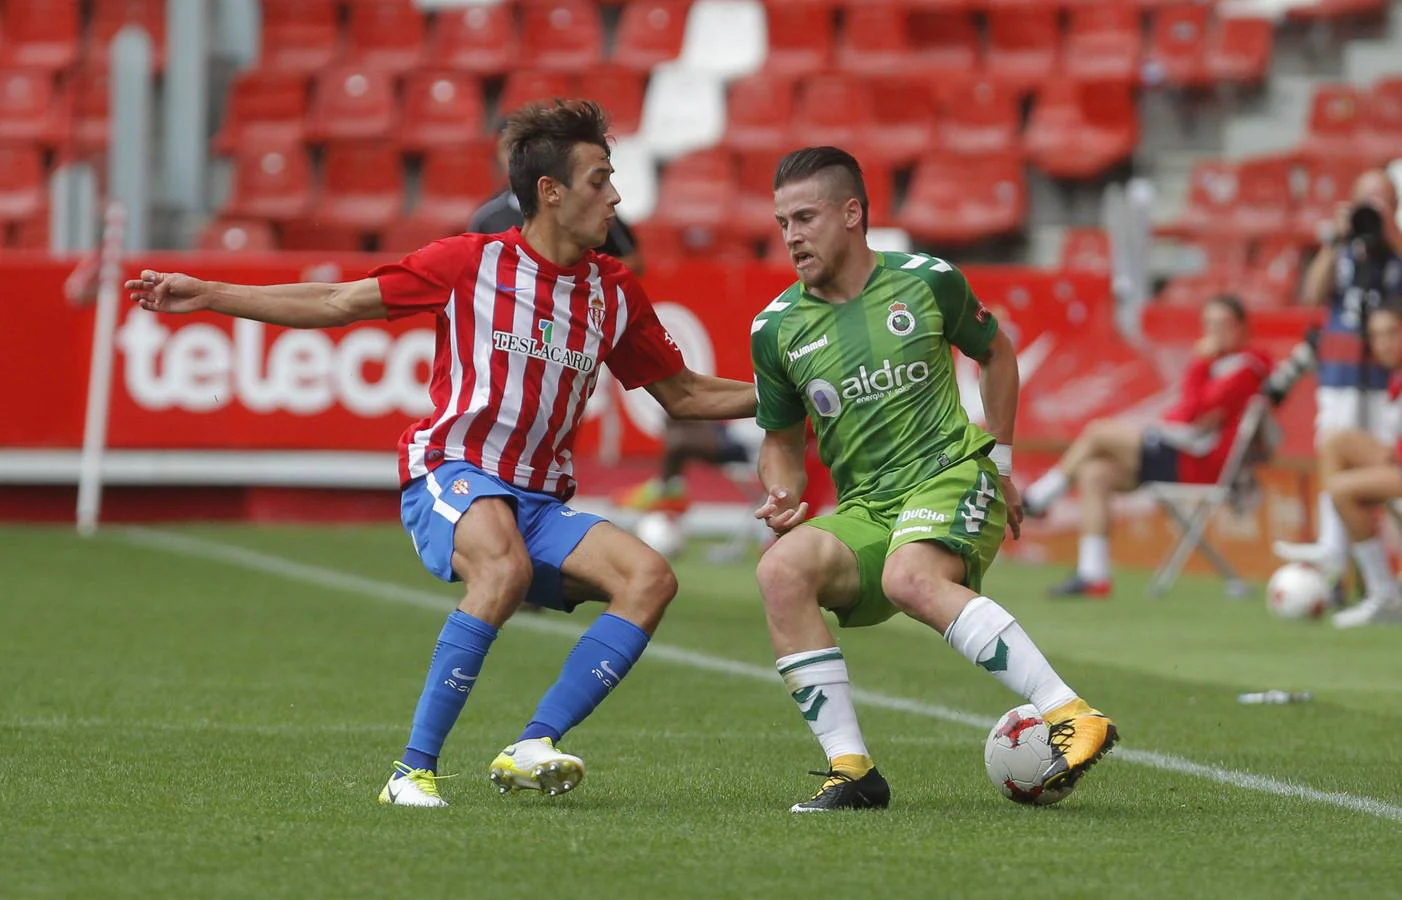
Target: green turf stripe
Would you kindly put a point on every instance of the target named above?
(834, 654)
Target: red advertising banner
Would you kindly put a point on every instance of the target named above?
(205, 382)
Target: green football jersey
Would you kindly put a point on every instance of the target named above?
(875, 375)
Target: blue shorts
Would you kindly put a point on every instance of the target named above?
(430, 507)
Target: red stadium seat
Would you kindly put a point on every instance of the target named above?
(1178, 46)
(1239, 50)
(238, 236)
(271, 184)
(836, 109)
(567, 35)
(31, 233)
(1328, 182)
(362, 185)
(943, 43)
(386, 34)
(352, 102)
(698, 189)
(801, 38)
(407, 235)
(111, 16)
(668, 243)
(874, 39)
(754, 201)
(619, 91)
(650, 32)
(23, 190)
(978, 116)
(1273, 278)
(266, 107)
(454, 182)
(1212, 189)
(1263, 196)
(1079, 130)
(39, 34)
(1023, 43)
(528, 86)
(479, 39)
(1335, 122)
(92, 98)
(1086, 250)
(1382, 130)
(322, 236)
(1103, 40)
(1322, 10)
(959, 200)
(758, 111)
(905, 110)
(32, 107)
(441, 109)
(300, 35)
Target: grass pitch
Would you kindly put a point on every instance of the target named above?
(215, 718)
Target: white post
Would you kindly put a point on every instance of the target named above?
(109, 289)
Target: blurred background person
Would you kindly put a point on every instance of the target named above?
(1359, 474)
(1359, 266)
(1189, 444)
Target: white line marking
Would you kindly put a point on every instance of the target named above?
(383, 590)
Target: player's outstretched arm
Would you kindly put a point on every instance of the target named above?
(691, 395)
(310, 305)
(782, 473)
(999, 384)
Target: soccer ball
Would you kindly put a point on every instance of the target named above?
(1298, 591)
(1018, 751)
(662, 533)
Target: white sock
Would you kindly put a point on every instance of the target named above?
(1377, 572)
(1332, 535)
(1045, 490)
(1093, 559)
(818, 682)
(987, 635)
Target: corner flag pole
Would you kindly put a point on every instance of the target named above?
(109, 288)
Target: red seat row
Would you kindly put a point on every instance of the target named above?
(428, 108)
(1078, 129)
(49, 34)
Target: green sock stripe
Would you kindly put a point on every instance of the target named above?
(826, 657)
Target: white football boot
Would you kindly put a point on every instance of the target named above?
(535, 765)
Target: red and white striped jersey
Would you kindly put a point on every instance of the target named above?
(519, 345)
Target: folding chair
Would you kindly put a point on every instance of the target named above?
(1191, 506)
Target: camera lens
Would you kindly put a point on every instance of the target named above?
(1365, 222)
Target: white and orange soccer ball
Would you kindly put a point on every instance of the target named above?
(1018, 751)
(662, 532)
(1298, 591)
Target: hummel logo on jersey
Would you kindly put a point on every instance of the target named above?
(529, 346)
(973, 509)
(820, 343)
(461, 681)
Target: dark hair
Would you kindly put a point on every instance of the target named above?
(541, 138)
(1232, 304)
(803, 164)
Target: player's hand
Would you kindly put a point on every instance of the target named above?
(169, 292)
(1207, 347)
(780, 513)
(1012, 498)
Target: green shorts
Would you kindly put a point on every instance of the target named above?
(962, 508)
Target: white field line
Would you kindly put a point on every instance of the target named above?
(269, 564)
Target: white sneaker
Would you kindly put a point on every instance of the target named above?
(1310, 553)
(1370, 611)
(412, 787)
(535, 765)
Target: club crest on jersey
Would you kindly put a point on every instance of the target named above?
(460, 486)
(900, 322)
(597, 309)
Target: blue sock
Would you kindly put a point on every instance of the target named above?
(457, 660)
(597, 663)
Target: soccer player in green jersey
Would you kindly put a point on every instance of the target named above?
(861, 346)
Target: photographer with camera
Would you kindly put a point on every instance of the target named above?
(1356, 270)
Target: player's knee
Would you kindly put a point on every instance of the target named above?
(910, 582)
(651, 582)
(785, 571)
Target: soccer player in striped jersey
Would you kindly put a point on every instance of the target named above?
(525, 320)
(861, 346)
